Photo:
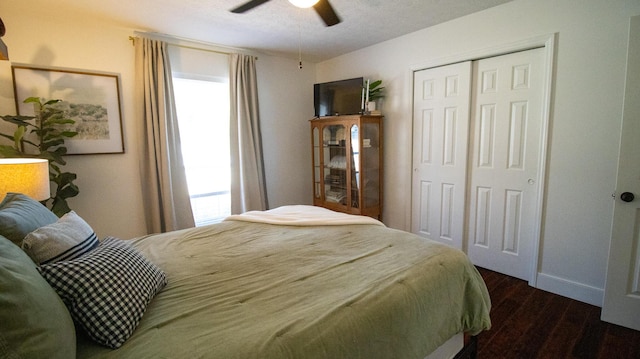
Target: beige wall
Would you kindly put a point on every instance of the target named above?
(110, 198)
(585, 124)
(286, 106)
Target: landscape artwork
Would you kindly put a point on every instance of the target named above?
(91, 99)
(92, 120)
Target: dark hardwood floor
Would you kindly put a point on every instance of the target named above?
(531, 323)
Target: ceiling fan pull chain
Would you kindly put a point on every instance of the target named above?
(299, 46)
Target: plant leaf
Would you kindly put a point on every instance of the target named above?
(9, 152)
(50, 102)
(32, 100)
(60, 206)
(19, 120)
(17, 136)
(374, 84)
(69, 133)
(61, 121)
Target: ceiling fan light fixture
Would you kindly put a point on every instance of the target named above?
(304, 3)
(322, 7)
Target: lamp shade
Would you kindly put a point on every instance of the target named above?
(29, 176)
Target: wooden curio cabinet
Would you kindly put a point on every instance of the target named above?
(347, 164)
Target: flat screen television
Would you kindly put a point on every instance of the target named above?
(342, 97)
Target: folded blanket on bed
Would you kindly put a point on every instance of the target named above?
(301, 215)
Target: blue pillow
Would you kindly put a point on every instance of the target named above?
(21, 215)
(34, 322)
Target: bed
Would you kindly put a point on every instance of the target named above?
(302, 282)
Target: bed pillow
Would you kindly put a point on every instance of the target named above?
(34, 323)
(68, 238)
(21, 215)
(106, 290)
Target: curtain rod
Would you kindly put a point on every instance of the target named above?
(191, 44)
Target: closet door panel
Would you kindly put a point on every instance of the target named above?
(505, 156)
(441, 129)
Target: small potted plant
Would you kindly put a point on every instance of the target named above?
(375, 93)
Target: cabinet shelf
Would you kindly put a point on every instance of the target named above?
(347, 164)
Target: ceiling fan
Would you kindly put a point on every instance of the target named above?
(322, 7)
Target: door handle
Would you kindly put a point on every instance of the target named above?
(627, 196)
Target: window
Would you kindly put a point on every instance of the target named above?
(202, 106)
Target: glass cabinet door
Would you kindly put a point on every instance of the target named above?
(355, 167)
(371, 168)
(317, 193)
(335, 164)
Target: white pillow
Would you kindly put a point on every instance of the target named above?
(68, 238)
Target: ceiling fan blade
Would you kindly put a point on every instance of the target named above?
(248, 6)
(326, 12)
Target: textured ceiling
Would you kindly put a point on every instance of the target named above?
(277, 27)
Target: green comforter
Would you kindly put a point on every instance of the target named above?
(254, 290)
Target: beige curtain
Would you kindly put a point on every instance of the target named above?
(248, 186)
(164, 185)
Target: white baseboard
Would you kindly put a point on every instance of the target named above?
(570, 289)
(449, 349)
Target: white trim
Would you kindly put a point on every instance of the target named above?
(528, 44)
(548, 42)
(571, 289)
(449, 349)
(550, 48)
(194, 44)
(200, 77)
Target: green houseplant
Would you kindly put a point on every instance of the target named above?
(50, 128)
(375, 94)
(375, 90)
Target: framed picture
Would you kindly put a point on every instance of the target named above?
(91, 99)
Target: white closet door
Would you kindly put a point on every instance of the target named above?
(504, 162)
(440, 148)
(622, 290)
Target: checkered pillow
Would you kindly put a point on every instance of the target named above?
(106, 290)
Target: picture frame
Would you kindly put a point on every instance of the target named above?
(90, 98)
